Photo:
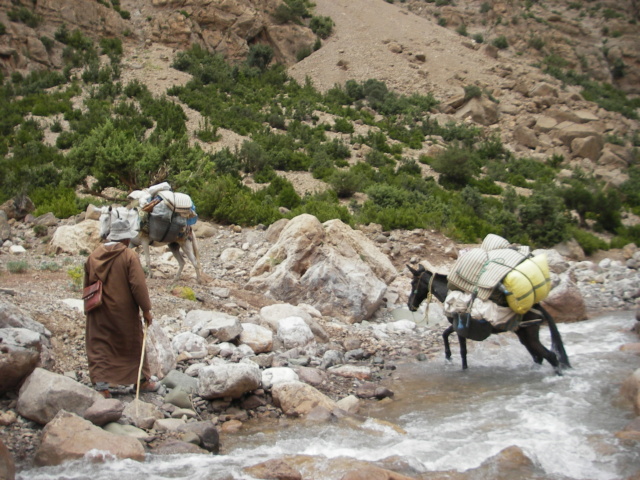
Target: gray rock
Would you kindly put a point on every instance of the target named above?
(45, 393)
(103, 411)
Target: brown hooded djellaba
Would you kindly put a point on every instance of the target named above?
(114, 331)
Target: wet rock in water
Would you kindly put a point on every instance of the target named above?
(275, 469)
(178, 447)
(372, 390)
(630, 390)
(503, 465)
(297, 398)
(373, 473)
(206, 432)
(565, 302)
(631, 432)
(69, 437)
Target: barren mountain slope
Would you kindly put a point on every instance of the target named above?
(376, 39)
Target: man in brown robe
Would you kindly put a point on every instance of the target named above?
(114, 332)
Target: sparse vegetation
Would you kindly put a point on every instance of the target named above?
(128, 138)
(17, 266)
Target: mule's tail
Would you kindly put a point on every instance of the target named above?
(556, 340)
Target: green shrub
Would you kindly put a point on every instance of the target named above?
(345, 183)
(259, 56)
(536, 42)
(587, 241)
(472, 91)
(18, 266)
(321, 26)
(3, 28)
(24, 15)
(58, 200)
(76, 277)
(111, 47)
(462, 30)
(478, 38)
(50, 266)
(40, 230)
(500, 42)
(456, 166)
(303, 53)
(47, 42)
(185, 293)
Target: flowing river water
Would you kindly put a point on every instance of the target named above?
(446, 423)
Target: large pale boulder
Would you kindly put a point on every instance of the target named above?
(481, 110)
(272, 314)
(309, 265)
(231, 380)
(258, 338)
(73, 239)
(298, 399)
(189, 344)
(17, 360)
(342, 237)
(159, 352)
(294, 332)
(223, 326)
(12, 316)
(274, 375)
(45, 393)
(587, 147)
(565, 302)
(525, 136)
(567, 132)
(69, 437)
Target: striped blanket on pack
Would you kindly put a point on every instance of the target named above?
(481, 269)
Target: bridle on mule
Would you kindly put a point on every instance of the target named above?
(429, 293)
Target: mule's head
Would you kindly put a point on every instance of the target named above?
(105, 222)
(419, 286)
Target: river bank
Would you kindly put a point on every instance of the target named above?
(381, 343)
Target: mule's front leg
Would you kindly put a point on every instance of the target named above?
(445, 337)
(463, 351)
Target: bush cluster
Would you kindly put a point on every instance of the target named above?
(125, 137)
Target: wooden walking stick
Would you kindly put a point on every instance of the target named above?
(144, 343)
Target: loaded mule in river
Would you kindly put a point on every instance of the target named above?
(497, 281)
(166, 218)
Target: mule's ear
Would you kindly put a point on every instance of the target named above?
(421, 268)
(412, 270)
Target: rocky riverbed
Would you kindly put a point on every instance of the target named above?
(343, 361)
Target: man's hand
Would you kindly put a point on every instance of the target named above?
(148, 317)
